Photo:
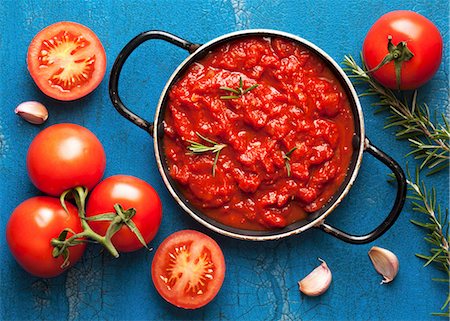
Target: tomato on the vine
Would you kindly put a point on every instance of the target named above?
(188, 269)
(129, 192)
(66, 60)
(65, 156)
(30, 229)
(412, 46)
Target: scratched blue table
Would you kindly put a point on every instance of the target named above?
(261, 278)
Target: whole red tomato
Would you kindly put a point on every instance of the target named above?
(64, 156)
(31, 227)
(407, 29)
(129, 192)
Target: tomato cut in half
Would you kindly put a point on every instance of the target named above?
(188, 269)
(66, 60)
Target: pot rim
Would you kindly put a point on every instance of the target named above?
(361, 144)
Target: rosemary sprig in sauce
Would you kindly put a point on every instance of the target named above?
(238, 92)
(287, 159)
(199, 148)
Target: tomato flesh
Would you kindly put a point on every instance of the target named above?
(76, 69)
(31, 227)
(66, 60)
(129, 192)
(188, 269)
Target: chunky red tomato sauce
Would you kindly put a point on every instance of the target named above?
(287, 140)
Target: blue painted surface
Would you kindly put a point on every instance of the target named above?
(261, 278)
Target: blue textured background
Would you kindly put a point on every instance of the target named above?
(261, 278)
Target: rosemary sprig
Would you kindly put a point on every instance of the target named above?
(239, 91)
(287, 159)
(199, 148)
(429, 142)
(437, 227)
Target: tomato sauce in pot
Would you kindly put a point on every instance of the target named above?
(258, 133)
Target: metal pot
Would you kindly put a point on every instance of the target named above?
(315, 220)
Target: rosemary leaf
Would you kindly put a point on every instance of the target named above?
(433, 257)
(229, 97)
(437, 169)
(250, 88)
(206, 139)
(440, 280)
(231, 89)
(287, 159)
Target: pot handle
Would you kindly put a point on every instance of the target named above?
(396, 208)
(120, 61)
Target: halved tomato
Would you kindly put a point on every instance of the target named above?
(188, 269)
(66, 60)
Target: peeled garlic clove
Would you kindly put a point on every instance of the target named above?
(385, 262)
(32, 111)
(316, 282)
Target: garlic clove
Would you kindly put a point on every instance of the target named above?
(385, 263)
(32, 111)
(316, 282)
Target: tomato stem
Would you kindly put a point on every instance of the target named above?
(80, 195)
(125, 218)
(83, 236)
(118, 219)
(398, 54)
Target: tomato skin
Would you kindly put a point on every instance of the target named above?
(30, 229)
(195, 246)
(85, 61)
(64, 156)
(422, 38)
(130, 192)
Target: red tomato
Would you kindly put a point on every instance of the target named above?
(188, 269)
(64, 156)
(421, 37)
(130, 192)
(30, 229)
(66, 60)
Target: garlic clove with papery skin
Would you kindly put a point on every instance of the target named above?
(32, 111)
(317, 282)
(385, 263)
